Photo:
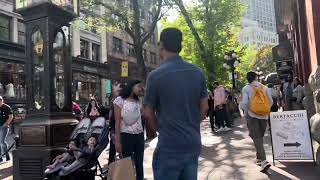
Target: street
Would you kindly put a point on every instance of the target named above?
(227, 156)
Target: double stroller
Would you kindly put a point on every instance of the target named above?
(82, 163)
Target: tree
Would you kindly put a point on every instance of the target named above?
(126, 15)
(264, 60)
(213, 26)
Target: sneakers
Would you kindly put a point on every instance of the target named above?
(222, 129)
(8, 157)
(258, 162)
(265, 165)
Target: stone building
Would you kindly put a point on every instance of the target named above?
(97, 58)
(258, 25)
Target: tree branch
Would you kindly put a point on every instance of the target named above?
(194, 31)
(117, 12)
(155, 19)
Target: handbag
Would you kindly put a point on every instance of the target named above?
(122, 169)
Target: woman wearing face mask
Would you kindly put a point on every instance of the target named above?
(129, 136)
(297, 94)
(93, 109)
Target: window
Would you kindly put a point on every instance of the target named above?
(117, 45)
(131, 50)
(141, 30)
(21, 33)
(115, 17)
(12, 81)
(130, 4)
(86, 86)
(145, 57)
(153, 58)
(4, 28)
(95, 52)
(153, 38)
(142, 15)
(84, 49)
(150, 16)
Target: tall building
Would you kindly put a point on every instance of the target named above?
(259, 24)
(97, 58)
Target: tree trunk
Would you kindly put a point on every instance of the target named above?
(202, 49)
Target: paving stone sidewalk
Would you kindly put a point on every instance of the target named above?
(225, 156)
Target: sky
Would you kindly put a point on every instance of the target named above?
(173, 14)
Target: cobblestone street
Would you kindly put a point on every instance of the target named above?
(226, 156)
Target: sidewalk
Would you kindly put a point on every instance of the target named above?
(225, 156)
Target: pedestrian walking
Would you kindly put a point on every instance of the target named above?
(220, 101)
(6, 117)
(93, 109)
(129, 136)
(76, 109)
(116, 91)
(297, 94)
(211, 111)
(275, 97)
(176, 101)
(288, 94)
(256, 103)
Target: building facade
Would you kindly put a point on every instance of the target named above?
(298, 24)
(97, 58)
(259, 25)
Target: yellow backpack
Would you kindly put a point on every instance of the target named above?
(260, 103)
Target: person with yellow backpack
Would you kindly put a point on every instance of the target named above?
(256, 103)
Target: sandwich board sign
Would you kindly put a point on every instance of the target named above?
(290, 133)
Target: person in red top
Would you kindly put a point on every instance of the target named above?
(221, 117)
(77, 110)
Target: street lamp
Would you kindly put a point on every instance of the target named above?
(259, 73)
(231, 62)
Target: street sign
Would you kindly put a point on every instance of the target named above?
(124, 69)
(291, 136)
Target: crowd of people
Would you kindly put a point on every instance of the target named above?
(175, 111)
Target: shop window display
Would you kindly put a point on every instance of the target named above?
(12, 81)
(86, 86)
(58, 49)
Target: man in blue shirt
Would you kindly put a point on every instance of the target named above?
(176, 102)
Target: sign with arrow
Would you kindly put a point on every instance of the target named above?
(291, 138)
(292, 144)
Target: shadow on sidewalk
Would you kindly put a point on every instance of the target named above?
(6, 172)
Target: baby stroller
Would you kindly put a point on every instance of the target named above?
(88, 168)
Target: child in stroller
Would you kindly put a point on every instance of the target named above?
(62, 160)
(84, 155)
(92, 137)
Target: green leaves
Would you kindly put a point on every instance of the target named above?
(217, 23)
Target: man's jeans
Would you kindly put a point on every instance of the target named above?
(4, 130)
(175, 166)
(257, 128)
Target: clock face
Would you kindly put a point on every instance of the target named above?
(282, 52)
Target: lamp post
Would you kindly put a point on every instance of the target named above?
(259, 73)
(231, 62)
(49, 121)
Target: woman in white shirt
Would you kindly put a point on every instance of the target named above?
(129, 132)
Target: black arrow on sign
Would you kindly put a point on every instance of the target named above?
(292, 144)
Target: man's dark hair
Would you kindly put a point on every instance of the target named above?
(251, 76)
(171, 39)
(215, 83)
